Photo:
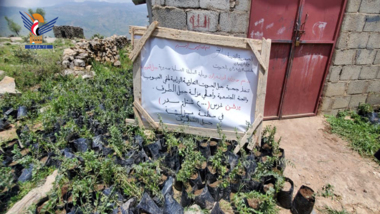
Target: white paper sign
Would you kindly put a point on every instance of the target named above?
(198, 85)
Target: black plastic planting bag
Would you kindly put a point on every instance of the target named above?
(251, 165)
(7, 160)
(377, 155)
(267, 180)
(172, 161)
(252, 185)
(126, 207)
(303, 203)
(154, 149)
(216, 209)
(141, 157)
(226, 193)
(52, 160)
(374, 118)
(139, 140)
(197, 181)
(280, 164)
(178, 185)
(235, 185)
(205, 199)
(81, 144)
(4, 124)
(204, 148)
(97, 143)
(107, 151)
(215, 191)
(284, 197)
(10, 112)
(232, 159)
(168, 186)
(23, 136)
(185, 200)
(26, 174)
(147, 205)
(171, 206)
(21, 112)
(213, 146)
(210, 176)
(67, 153)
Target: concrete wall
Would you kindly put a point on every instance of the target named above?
(354, 75)
(225, 17)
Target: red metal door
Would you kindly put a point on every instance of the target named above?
(303, 34)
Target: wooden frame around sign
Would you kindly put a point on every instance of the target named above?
(261, 49)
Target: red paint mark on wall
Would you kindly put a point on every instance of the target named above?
(197, 23)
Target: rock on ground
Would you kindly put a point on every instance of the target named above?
(50, 40)
(8, 85)
(16, 39)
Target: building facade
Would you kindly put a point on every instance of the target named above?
(349, 72)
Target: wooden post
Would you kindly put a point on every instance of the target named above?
(261, 90)
(144, 38)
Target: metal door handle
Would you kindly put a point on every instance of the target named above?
(300, 30)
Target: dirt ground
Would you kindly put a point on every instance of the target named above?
(322, 158)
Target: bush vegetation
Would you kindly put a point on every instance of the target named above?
(363, 136)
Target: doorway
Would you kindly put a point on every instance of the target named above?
(303, 34)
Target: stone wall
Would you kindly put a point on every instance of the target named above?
(354, 75)
(79, 58)
(226, 17)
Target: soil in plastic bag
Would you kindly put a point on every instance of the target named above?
(215, 190)
(213, 146)
(211, 174)
(284, 196)
(196, 180)
(304, 201)
(204, 148)
(203, 198)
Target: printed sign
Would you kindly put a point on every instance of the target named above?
(198, 85)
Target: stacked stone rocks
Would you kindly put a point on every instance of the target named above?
(79, 57)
